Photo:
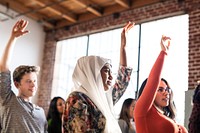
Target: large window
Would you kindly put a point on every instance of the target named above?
(143, 46)
(67, 52)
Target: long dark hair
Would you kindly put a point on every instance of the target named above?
(124, 114)
(169, 110)
(53, 117)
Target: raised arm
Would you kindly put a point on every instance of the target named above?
(147, 97)
(17, 31)
(124, 72)
(127, 27)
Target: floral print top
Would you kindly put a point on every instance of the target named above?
(81, 115)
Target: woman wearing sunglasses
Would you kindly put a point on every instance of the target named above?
(155, 110)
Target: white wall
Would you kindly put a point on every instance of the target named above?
(28, 49)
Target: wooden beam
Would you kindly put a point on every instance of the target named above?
(107, 11)
(123, 3)
(88, 8)
(63, 15)
(20, 9)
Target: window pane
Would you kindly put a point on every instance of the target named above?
(67, 53)
(106, 44)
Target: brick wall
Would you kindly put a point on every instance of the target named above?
(163, 9)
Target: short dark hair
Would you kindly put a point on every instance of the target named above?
(20, 71)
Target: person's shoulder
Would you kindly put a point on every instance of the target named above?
(37, 107)
(5, 73)
(123, 125)
(122, 122)
(77, 94)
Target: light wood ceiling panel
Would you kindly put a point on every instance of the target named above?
(55, 14)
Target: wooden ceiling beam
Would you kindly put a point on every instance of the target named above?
(17, 7)
(123, 3)
(63, 15)
(88, 8)
(107, 11)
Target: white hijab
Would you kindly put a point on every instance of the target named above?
(87, 79)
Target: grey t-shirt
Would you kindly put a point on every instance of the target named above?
(124, 127)
(17, 115)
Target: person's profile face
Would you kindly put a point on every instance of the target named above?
(131, 108)
(163, 95)
(106, 75)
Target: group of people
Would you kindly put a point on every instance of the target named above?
(89, 106)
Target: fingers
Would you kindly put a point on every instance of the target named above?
(165, 43)
(167, 40)
(128, 26)
(16, 24)
(164, 38)
(19, 28)
(22, 24)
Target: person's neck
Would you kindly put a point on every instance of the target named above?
(27, 99)
(159, 109)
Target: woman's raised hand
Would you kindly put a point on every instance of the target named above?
(125, 30)
(165, 43)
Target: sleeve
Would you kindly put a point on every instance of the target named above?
(123, 126)
(5, 87)
(76, 116)
(145, 102)
(49, 128)
(121, 83)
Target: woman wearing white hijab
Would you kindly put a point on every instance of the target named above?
(89, 107)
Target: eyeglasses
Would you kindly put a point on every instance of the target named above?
(162, 90)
